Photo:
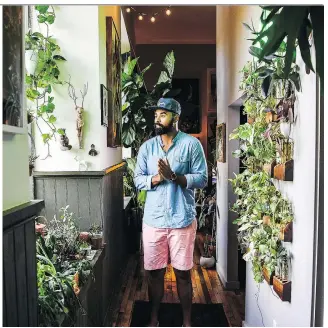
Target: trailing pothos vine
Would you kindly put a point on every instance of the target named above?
(44, 52)
(269, 83)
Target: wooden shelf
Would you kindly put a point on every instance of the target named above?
(284, 172)
(283, 289)
(268, 278)
(286, 233)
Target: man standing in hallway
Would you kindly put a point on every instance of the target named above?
(170, 166)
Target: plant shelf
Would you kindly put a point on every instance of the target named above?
(271, 117)
(283, 289)
(285, 171)
(267, 276)
(269, 168)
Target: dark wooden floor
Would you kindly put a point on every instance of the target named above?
(207, 289)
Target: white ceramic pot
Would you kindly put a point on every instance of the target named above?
(285, 129)
(207, 262)
(31, 61)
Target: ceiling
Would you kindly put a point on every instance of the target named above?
(186, 25)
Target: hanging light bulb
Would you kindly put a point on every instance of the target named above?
(128, 9)
(168, 11)
(153, 19)
(140, 17)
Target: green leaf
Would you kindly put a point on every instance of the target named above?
(45, 137)
(295, 78)
(317, 19)
(42, 9)
(50, 108)
(255, 51)
(58, 57)
(130, 65)
(146, 68)
(49, 89)
(52, 119)
(60, 131)
(169, 62)
(42, 18)
(38, 35)
(248, 27)
(50, 18)
(128, 135)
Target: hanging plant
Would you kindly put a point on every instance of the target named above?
(44, 53)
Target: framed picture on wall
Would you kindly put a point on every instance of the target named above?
(104, 97)
(13, 91)
(113, 68)
(221, 143)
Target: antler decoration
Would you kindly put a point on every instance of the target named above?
(79, 109)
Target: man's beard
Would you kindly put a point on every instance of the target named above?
(161, 129)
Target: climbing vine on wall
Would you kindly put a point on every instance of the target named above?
(42, 58)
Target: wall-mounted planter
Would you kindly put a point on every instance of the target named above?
(286, 233)
(283, 289)
(269, 168)
(267, 276)
(271, 117)
(285, 171)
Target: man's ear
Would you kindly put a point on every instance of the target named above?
(176, 118)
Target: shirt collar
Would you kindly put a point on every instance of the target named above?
(175, 139)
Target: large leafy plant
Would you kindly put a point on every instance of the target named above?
(295, 24)
(40, 84)
(136, 98)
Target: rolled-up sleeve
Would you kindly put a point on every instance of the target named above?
(142, 180)
(197, 178)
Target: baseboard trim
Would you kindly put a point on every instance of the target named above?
(227, 285)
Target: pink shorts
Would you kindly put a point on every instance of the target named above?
(160, 243)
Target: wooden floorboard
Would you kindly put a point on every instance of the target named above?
(207, 289)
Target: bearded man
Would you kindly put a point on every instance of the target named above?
(170, 166)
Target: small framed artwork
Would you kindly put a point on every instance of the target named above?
(221, 143)
(104, 94)
(13, 90)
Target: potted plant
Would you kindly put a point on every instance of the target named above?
(85, 249)
(207, 260)
(96, 236)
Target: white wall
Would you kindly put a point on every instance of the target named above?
(82, 41)
(15, 170)
(232, 54)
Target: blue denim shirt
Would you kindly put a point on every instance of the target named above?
(168, 205)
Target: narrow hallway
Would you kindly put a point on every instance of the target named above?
(207, 289)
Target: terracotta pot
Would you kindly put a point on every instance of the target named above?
(85, 236)
(96, 241)
(40, 228)
(266, 219)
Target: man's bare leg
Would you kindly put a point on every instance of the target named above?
(155, 293)
(185, 294)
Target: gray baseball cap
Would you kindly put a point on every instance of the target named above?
(168, 104)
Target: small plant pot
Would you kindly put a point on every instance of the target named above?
(285, 171)
(84, 236)
(96, 241)
(269, 168)
(207, 262)
(250, 120)
(271, 117)
(86, 251)
(267, 276)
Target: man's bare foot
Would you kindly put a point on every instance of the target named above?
(153, 323)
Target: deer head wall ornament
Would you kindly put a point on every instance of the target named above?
(79, 109)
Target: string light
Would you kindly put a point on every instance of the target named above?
(167, 12)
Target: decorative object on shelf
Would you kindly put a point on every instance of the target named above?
(104, 98)
(79, 109)
(82, 163)
(113, 70)
(64, 142)
(286, 233)
(152, 19)
(14, 119)
(93, 151)
(31, 163)
(221, 143)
